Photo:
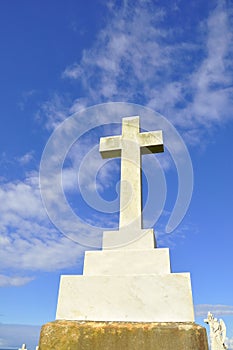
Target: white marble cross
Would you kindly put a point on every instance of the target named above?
(130, 146)
(128, 280)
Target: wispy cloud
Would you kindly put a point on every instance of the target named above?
(217, 310)
(25, 98)
(211, 83)
(14, 280)
(52, 112)
(137, 58)
(26, 158)
(127, 50)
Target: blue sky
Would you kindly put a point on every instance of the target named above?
(59, 57)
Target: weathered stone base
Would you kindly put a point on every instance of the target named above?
(80, 335)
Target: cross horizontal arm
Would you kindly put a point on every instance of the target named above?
(151, 142)
(110, 147)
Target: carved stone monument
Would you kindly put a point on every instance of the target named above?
(217, 332)
(127, 297)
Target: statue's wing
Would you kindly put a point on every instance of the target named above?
(223, 329)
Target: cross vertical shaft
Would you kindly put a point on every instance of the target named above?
(130, 190)
(130, 146)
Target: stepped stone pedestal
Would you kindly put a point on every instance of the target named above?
(126, 285)
(127, 297)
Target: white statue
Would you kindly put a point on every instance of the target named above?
(24, 347)
(217, 332)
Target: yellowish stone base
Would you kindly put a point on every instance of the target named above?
(81, 335)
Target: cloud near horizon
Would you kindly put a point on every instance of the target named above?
(202, 310)
(14, 335)
(28, 240)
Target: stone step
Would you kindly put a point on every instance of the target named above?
(129, 237)
(63, 335)
(127, 262)
(134, 298)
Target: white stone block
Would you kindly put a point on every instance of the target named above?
(127, 262)
(135, 298)
(129, 238)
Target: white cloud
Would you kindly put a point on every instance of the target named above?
(58, 108)
(137, 58)
(180, 233)
(14, 280)
(53, 111)
(92, 164)
(126, 51)
(217, 310)
(73, 72)
(28, 241)
(212, 81)
(21, 199)
(69, 179)
(26, 158)
(78, 105)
